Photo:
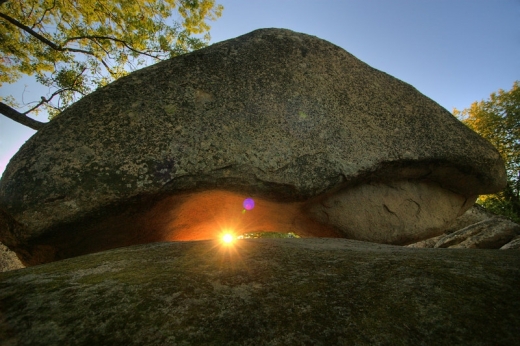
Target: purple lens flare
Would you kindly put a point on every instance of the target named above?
(248, 204)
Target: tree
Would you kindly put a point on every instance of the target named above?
(498, 120)
(75, 46)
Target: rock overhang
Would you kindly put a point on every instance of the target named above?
(276, 114)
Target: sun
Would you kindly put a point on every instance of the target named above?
(228, 238)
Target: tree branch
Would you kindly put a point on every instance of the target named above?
(57, 92)
(123, 42)
(108, 68)
(44, 14)
(44, 100)
(19, 117)
(42, 38)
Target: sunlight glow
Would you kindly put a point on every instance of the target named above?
(228, 238)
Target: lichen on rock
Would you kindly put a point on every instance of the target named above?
(266, 292)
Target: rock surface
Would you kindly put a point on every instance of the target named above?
(273, 114)
(488, 234)
(391, 213)
(8, 260)
(512, 245)
(473, 215)
(427, 243)
(266, 292)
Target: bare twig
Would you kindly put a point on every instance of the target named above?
(43, 15)
(108, 68)
(45, 100)
(56, 93)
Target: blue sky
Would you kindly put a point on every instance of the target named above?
(453, 51)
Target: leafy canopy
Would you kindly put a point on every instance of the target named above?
(498, 120)
(75, 46)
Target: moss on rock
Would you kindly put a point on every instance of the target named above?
(266, 292)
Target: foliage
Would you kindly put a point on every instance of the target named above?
(498, 120)
(75, 46)
(267, 234)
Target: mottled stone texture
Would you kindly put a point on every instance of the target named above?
(514, 244)
(488, 234)
(266, 292)
(8, 259)
(477, 228)
(473, 215)
(391, 213)
(274, 114)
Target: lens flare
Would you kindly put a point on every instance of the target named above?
(248, 204)
(228, 238)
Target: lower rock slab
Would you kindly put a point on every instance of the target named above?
(266, 292)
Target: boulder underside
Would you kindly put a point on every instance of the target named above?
(266, 292)
(391, 213)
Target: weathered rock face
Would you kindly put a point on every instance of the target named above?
(488, 234)
(8, 259)
(513, 244)
(476, 229)
(391, 213)
(473, 215)
(277, 115)
(266, 292)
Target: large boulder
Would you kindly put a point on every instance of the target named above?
(292, 120)
(266, 292)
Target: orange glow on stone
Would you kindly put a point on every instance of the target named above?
(209, 214)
